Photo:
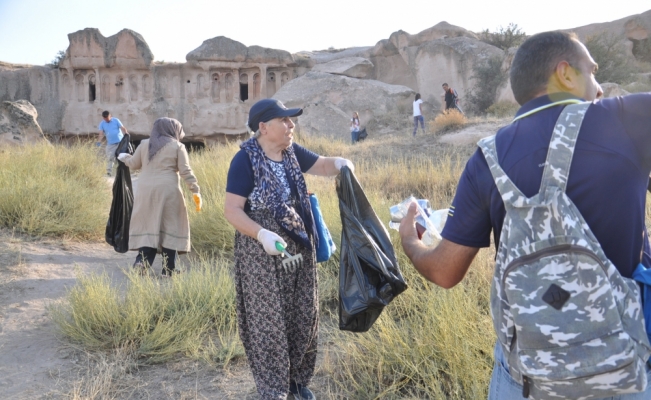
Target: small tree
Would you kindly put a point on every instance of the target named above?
(504, 38)
(608, 51)
(489, 77)
(57, 59)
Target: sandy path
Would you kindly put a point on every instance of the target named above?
(32, 276)
(36, 364)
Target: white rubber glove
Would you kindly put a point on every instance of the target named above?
(123, 156)
(268, 240)
(340, 162)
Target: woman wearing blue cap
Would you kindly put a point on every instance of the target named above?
(267, 202)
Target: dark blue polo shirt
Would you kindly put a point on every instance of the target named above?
(607, 182)
(240, 179)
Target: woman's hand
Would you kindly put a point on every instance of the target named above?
(123, 156)
(340, 162)
(268, 240)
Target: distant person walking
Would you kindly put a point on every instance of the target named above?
(451, 99)
(354, 127)
(113, 129)
(418, 114)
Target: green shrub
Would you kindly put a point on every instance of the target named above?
(504, 38)
(488, 79)
(608, 51)
(48, 190)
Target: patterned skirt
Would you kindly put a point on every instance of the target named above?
(277, 311)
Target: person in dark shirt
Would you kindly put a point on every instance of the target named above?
(451, 98)
(267, 203)
(607, 181)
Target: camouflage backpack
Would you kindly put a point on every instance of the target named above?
(570, 325)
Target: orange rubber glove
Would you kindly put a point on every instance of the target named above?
(197, 200)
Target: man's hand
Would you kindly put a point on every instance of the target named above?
(407, 229)
(445, 264)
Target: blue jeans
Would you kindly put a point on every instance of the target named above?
(354, 136)
(422, 123)
(504, 387)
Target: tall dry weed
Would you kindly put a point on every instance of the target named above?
(448, 121)
(191, 315)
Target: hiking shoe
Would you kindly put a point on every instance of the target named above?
(301, 392)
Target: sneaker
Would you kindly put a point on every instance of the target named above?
(300, 392)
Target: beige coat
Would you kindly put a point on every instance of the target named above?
(160, 218)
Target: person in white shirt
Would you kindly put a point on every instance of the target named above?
(354, 127)
(418, 114)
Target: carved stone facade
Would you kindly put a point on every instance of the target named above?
(210, 94)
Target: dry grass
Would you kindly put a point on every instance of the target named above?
(191, 315)
(105, 376)
(503, 109)
(53, 191)
(429, 343)
(448, 121)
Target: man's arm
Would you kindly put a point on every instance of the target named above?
(123, 129)
(445, 264)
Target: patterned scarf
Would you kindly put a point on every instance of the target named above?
(166, 130)
(295, 225)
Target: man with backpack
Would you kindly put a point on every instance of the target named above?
(451, 99)
(563, 190)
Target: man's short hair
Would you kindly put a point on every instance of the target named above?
(105, 114)
(536, 59)
(445, 84)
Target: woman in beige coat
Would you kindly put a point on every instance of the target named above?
(159, 221)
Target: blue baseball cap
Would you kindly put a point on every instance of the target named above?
(267, 109)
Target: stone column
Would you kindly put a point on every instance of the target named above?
(263, 81)
(98, 85)
(250, 75)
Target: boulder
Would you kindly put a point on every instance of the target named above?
(222, 48)
(613, 90)
(354, 67)
(18, 123)
(328, 101)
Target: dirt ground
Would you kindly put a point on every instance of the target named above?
(35, 363)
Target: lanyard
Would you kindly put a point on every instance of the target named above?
(556, 103)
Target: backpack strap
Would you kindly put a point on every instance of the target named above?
(561, 147)
(557, 164)
(510, 193)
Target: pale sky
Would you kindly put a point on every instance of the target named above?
(33, 31)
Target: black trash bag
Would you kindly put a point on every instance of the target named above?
(369, 276)
(117, 227)
(361, 135)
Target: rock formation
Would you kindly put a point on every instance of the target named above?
(18, 123)
(613, 90)
(354, 67)
(328, 101)
(210, 94)
(634, 31)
